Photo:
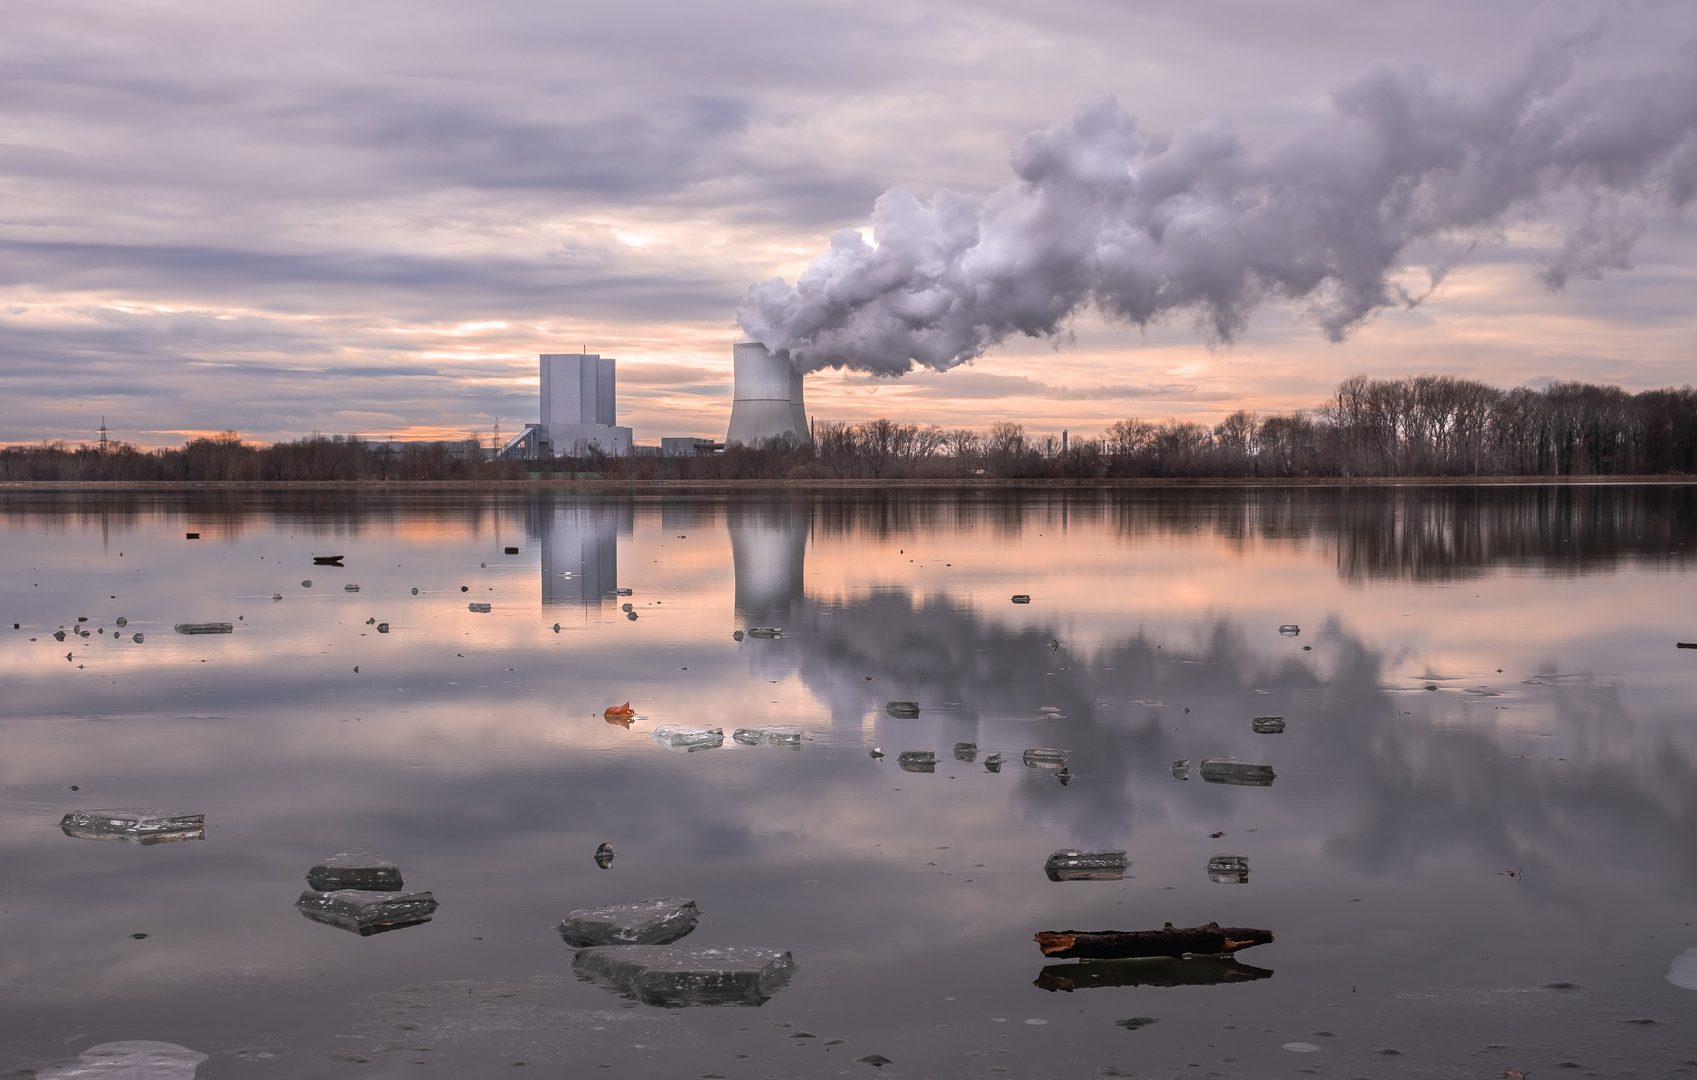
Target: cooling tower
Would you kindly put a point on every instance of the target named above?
(766, 403)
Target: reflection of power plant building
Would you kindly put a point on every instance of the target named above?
(766, 403)
(579, 407)
(580, 551)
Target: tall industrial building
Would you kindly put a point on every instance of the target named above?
(579, 407)
(766, 402)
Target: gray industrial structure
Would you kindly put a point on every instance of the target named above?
(766, 402)
(579, 410)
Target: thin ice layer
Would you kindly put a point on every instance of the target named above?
(365, 913)
(131, 825)
(356, 869)
(689, 739)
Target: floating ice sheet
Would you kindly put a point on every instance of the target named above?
(205, 628)
(659, 921)
(967, 752)
(1237, 772)
(366, 913)
(1268, 725)
(1229, 869)
(922, 761)
(689, 739)
(1070, 864)
(1045, 757)
(770, 735)
(355, 869)
(130, 825)
(678, 976)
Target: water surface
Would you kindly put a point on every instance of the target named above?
(1477, 854)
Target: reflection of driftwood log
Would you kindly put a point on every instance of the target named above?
(1131, 944)
(1158, 971)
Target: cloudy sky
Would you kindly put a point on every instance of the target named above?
(370, 218)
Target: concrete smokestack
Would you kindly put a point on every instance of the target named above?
(766, 403)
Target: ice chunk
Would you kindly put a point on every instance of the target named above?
(659, 921)
(918, 761)
(123, 621)
(1181, 769)
(382, 628)
(1290, 629)
(677, 976)
(736, 635)
(1044, 757)
(1237, 772)
(966, 751)
(770, 735)
(1021, 598)
(903, 710)
(132, 1059)
(205, 628)
(481, 609)
(365, 913)
(1071, 865)
(766, 631)
(1683, 971)
(689, 739)
(137, 637)
(1268, 725)
(328, 560)
(993, 763)
(1229, 869)
(355, 869)
(350, 588)
(622, 592)
(129, 825)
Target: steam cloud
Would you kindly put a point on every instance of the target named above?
(1202, 225)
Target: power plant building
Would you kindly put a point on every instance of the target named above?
(579, 410)
(766, 402)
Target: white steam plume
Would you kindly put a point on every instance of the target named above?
(1203, 225)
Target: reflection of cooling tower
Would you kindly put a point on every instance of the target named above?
(769, 553)
(767, 401)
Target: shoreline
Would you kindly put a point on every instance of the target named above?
(1117, 483)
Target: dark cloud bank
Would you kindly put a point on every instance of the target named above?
(1141, 229)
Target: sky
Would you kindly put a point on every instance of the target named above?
(370, 219)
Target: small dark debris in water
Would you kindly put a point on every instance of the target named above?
(465, 588)
(511, 550)
(766, 631)
(1215, 835)
(1021, 598)
(736, 635)
(803, 1035)
(350, 588)
(1325, 1034)
(1308, 648)
(75, 788)
(626, 607)
(328, 560)
(306, 584)
(1569, 1065)
(191, 536)
(556, 628)
(356, 669)
(137, 638)
(1064, 776)
(877, 1061)
(1561, 986)
(481, 609)
(58, 635)
(276, 596)
(1641, 1022)
(415, 592)
(138, 937)
(1136, 1022)
(876, 751)
(382, 628)
(82, 618)
(631, 615)
(1389, 1052)
(1681, 645)
(1431, 686)
(1268, 725)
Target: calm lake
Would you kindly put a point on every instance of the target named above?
(1478, 852)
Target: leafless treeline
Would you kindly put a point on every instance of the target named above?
(1426, 425)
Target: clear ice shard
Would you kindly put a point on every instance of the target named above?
(1290, 629)
(132, 1059)
(993, 763)
(903, 710)
(766, 631)
(481, 609)
(1069, 864)
(1268, 725)
(689, 739)
(678, 976)
(205, 628)
(918, 761)
(129, 825)
(659, 921)
(770, 735)
(1229, 869)
(1181, 769)
(1237, 772)
(967, 752)
(355, 869)
(365, 913)
(1043, 757)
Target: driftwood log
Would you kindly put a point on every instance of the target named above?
(1210, 940)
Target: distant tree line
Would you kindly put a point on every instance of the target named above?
(1426, 425)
